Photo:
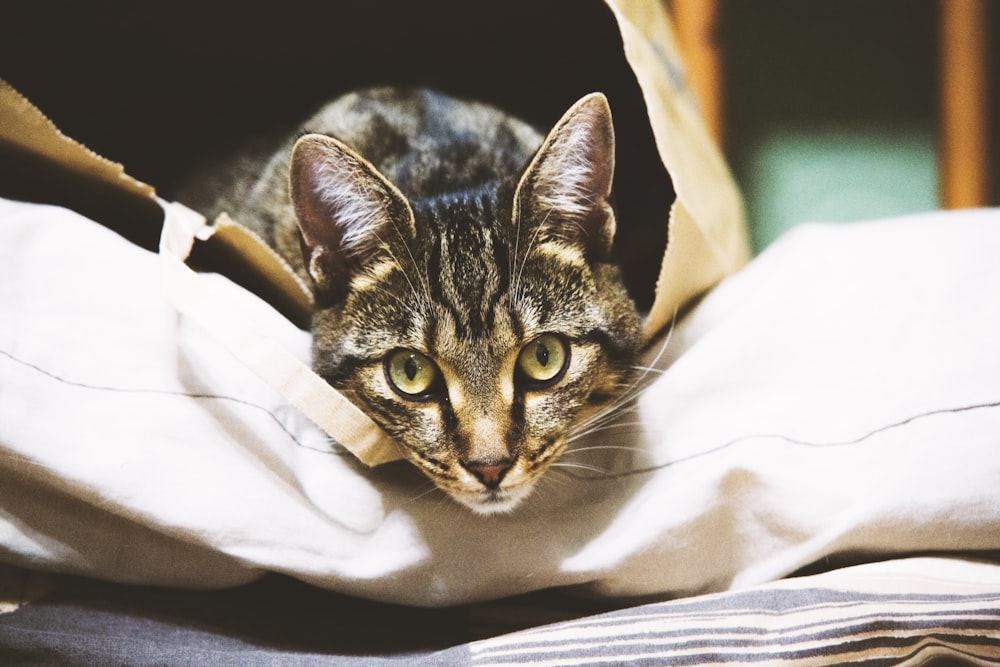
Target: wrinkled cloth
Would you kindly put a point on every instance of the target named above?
(838, 396)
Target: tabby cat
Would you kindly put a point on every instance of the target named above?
(460, 262)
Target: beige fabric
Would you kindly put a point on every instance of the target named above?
(193, 295)
(706, 234)
(824, 401)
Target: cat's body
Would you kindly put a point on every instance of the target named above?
(465, 295)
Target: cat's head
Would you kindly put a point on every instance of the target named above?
(478, 327)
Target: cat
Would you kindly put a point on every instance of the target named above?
(461, 267)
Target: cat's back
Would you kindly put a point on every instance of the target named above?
(427, 143)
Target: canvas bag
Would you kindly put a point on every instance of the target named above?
(100, 477)
(706, 229)
(707, 239)
(834, 401)
(821, 406)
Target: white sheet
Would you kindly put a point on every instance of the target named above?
(840, 395)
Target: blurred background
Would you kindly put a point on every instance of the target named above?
(827, 110)
(841, 110)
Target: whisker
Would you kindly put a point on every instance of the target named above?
(511, 281)
(623, 448)
(605, 427)
(403, 238)
(551, 476)
(614, 420)
(527, 251)
(653, 366)
(580, 466)
(627, 432)
(607, 413)
(666, 342)
(425, 283)
(444, 501)
(633, 389)
(432, 488)
(406, 276)
(648, 369)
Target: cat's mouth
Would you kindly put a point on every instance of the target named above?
(493, 501)
(486, 499)
(485, 496)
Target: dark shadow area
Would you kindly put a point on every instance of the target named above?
(815, 90)
(165, 89)
(839, 62)
(275, 620)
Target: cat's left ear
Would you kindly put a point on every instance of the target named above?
(567, 186)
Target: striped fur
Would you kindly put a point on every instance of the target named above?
(453, 230)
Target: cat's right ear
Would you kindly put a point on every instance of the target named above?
(566, 189)
(347, 211)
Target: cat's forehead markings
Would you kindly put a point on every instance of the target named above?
(460, 395)
(565, 253)
(372, 276)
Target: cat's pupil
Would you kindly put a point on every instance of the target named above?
(410, 367)
(542, 355)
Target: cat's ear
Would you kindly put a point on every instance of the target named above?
(347, 211)
(567, 186)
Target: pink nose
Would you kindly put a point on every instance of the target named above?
(490, 473)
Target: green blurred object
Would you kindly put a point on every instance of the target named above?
(831, 109)
(826, 174)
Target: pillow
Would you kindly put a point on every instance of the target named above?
(840, 396)
(905, 612)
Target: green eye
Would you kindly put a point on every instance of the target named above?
(411, 374)
(543, 360)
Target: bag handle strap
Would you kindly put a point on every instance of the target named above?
(275, 365)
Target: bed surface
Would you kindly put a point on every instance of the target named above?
(900, 612)
(835, 402)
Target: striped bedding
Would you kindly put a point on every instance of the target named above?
(918, 611)
(891, 613)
